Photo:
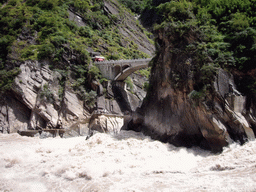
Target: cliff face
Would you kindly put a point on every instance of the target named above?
(35, 101)
(129, 28)
(40, 99)
(176, 111)
(50, 95)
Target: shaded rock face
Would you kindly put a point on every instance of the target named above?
(129, 101)
(14, 116)
(35, 102)
(170, 114)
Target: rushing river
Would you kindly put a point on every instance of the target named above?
(128, 161)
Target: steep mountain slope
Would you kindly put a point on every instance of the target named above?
(47, 79)
(202, 85)
(38, 30)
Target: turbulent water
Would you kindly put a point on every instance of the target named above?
(128, 161)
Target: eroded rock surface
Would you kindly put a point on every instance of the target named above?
(42, 98)
(171, 111)
(35, 102)
(39, 100)
(106, 123)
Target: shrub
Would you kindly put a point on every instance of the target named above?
(27, 54)
(90, 98)
(47, 4)
(176, 10)
(146, 86)
(7, 79)
(196, 96)
(58, 40)
(94, 72)
(129, 83)
(46, 51)
(135, 6)
(5, 42)
(144, 72)
(82, 5)
(32, 2)
(85, 31)
(12, 2)
(46, 94)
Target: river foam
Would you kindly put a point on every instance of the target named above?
(128, 161)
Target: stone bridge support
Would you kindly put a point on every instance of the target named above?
(120, 84)
(121, 69)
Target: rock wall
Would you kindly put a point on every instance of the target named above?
(171, 114)
(40, 99)
(36, 103)
(14, 115)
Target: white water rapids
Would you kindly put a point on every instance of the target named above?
(125, 162)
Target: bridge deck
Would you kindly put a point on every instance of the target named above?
(123, 61)
(119, 70)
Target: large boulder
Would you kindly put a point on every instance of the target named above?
(106, 123)
(175, 111)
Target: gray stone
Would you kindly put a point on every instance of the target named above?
(45, 135)
(106, 123)
(76, 18)
(28, 109)
(170, 114)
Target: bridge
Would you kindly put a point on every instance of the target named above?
(119, 70)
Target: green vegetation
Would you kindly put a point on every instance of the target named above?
(226, 32)
(7, 78)
(144, 72)
(146, 86)
(94, 72)
(135, 6)
(90, 98)
(80, 73)
(46, 94)
(48, 23)
(129, 84)
(42, 29)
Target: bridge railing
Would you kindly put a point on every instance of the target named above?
(123, 61)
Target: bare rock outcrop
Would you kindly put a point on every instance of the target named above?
(40, 101)
(42, 98)
(106, 123)
(175, 111)
(36, 101)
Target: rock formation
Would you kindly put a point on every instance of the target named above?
(35, 103)
(43, 98)
(127, 30)
(176, 111)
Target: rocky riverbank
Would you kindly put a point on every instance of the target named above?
(178, 111)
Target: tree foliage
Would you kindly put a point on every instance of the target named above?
(134, 6)
(227, 31)
(42, 29)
